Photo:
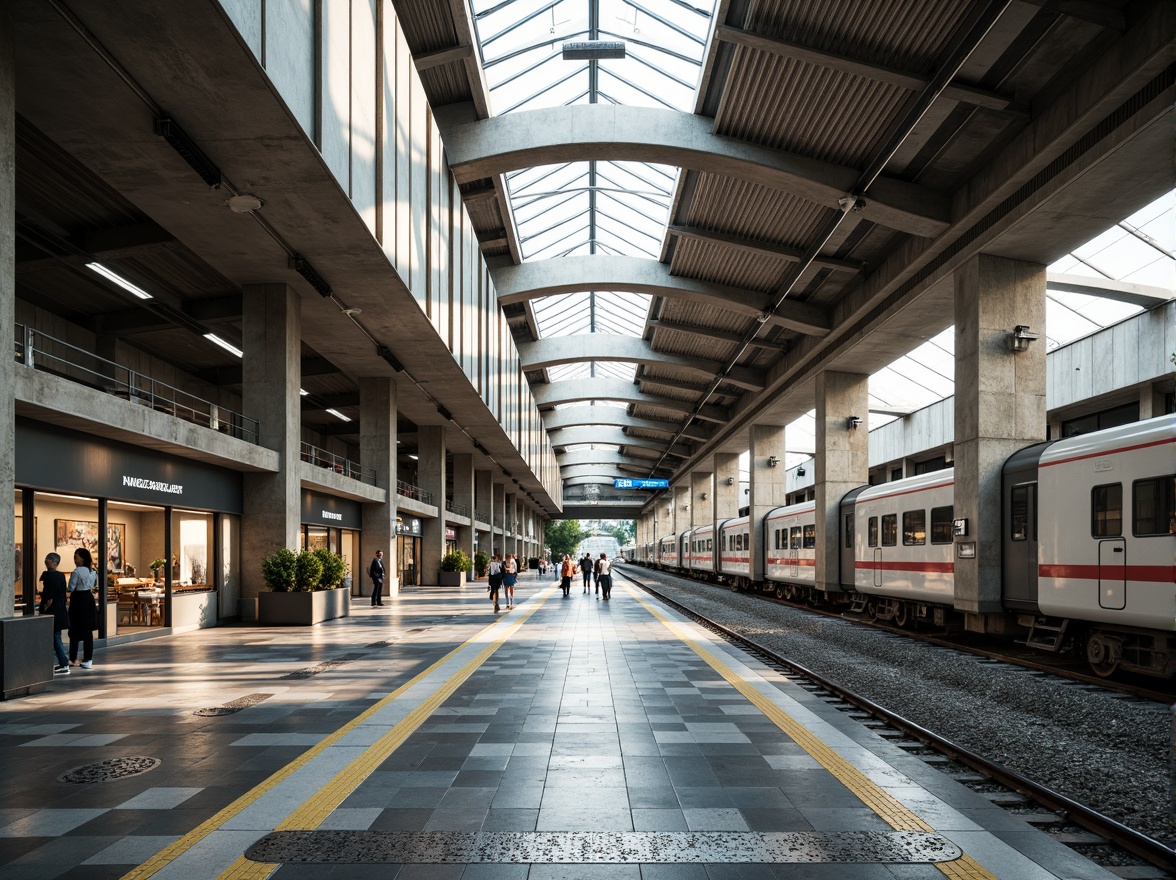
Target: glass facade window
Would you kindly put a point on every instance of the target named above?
(1106, 511)
(890, 530)
(1154, 508)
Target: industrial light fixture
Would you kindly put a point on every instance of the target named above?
(302, 392)
(703, 496)
(1021, 337)
(189, 152)
(229, 347)
(852, 423)
(119, 280)
(773, 461)
(386, 353)
(302, 266)
(800, 471)
(338, 415)
(593, 50)
(730, 481)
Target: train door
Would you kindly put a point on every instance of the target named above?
(1106, 525)
(1021, 505)
(848, 541)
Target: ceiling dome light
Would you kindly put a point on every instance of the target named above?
(244, 203)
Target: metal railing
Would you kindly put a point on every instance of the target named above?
(49, 354)
(416, 493)
(459, 509)
(481, 516)
(337, 463)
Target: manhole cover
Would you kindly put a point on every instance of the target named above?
(233, 706)
(109, 770)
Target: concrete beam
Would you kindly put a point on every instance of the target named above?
(597, 457)
(429, 60)
(484, 148)
(1142, 295)
(583, 347)
(573, 416)
(610, 436)
(638, 275)
(914, 82)
(580, 390)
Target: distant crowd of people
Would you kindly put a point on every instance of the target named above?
(598, 570)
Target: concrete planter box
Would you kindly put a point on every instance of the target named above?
(452, 578)
(26, 655)
(302, 609)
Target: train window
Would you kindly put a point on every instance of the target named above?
(941, 524)
(914, 527)
(1152, 503)
(810, 536)
(848, 530)
(872, 531)
(796, 537)
(1106, 510)
(890, 530)
(709, 544)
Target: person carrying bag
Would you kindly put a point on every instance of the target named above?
(494, 579)
(604, 576)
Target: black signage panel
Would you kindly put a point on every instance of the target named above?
(52, 458)
(327, 510)
(409, 526)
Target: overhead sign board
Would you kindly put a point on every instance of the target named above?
(640, 484)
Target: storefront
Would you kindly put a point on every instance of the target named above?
(408, 549)
(163, 532)
(330, 523)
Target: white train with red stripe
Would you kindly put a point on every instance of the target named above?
(1087, 548)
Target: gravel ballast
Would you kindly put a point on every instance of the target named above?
(1087, 743)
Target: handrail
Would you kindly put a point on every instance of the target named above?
(459, 509)
(416, 493)
(322, 458)
(66, 360)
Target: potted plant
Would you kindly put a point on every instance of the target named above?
(157, 567)
(302, 588)
(481, 563)
(454, 566)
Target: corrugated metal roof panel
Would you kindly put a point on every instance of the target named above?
(711, 261)
(680, 311)
(748, 209)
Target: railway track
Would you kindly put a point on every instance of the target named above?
(1057, 808)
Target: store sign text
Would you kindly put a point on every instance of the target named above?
(152, 485)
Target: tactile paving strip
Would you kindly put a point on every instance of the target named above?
(599, 847)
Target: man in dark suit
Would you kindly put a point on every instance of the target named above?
(376, 573)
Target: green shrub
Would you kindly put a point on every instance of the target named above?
(455, 560)
(308, 570)
(481, 563)
(334, 569)
(278, 570)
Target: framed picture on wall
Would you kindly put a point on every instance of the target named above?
(70, 534)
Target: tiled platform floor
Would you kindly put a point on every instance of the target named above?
(570, 715)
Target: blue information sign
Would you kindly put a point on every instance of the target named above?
(640, 484)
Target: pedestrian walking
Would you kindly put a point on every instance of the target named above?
(604, 576)
(586, 571)
(53, 602)
(376, 573)
(567, 571)
(510, 576)
(494, 578)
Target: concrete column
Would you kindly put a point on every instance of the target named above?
(271, 325)
(681, 515)
(377, 450)
(512, 520)
(1151, 402)
(726, 482)
(431, 478)
(463, 496)
(769, 487)
(484, 505)
(841, 462)
(999, 406)
(7, 309)
(499, 540)
(701, 499)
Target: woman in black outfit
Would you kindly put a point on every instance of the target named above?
(83, 610)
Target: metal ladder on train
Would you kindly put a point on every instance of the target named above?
(1047, 634)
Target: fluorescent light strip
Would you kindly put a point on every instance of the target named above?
(302, 392)
(119, 280)
(216, 340)
(338, 415)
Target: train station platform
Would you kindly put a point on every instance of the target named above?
(430, 738)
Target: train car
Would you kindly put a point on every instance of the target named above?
(667, 552)
(790, 547)
(734, 552)
(902, 539)
(1087, 544)
(701, 559)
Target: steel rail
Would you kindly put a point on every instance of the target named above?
(1148, 848)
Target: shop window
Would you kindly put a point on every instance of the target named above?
(914, 527)
(1152, 506)
(941, 524)
(1106, 510)
(192, 539)
(890, 530)
(872, 531)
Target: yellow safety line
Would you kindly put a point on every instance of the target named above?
(320, 805)
(169, 853)
(892, 811)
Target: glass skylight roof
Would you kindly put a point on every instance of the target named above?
(597, 207)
